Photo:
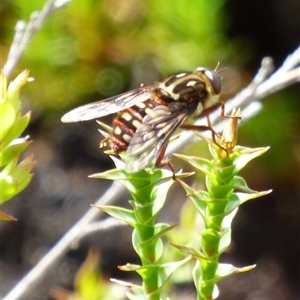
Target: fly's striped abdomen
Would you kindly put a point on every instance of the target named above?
(126, 124)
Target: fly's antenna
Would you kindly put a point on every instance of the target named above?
(219, 71)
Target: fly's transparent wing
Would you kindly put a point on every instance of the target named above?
(150, 137)
(108, 106)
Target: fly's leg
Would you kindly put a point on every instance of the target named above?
(161, 161)
(205, 128)
(104, 142)
(223, 115)
(214, 134)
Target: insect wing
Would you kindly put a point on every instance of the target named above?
(151, 136)
(108, 106)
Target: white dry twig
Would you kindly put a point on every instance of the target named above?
(24, 32)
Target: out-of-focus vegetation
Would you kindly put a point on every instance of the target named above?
(14, 175)
(94, 49)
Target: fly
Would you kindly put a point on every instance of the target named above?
(149, 115)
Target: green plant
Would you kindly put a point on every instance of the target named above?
(217, 206)
(226, 191)
(14, 175)
(148, 189)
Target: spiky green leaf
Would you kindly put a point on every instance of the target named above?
(15, 130)
(120, 213)
(13, 150)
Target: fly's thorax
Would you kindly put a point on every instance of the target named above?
(210, 101)
(194, 114)
(184, 87)
(198, 90)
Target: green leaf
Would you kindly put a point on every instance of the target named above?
(9, 167)
(3, 86)
(197, 275)
(203, 165)
(245, 155)
(16, 130)
(7, 118)
(187, 188)
(167, 270)
(130, 267)
(240, 184)
(191, 251)
(9, 188)
(243, 197)
(225, 270)
(198, 198)
(13, 150)
(161, 228)
(14, 89)
(14, 178)
(122, 282)
(225, 240)
(132, 181)
(228, 218)
(159, 194)
(119, 213)
(23, 168)
(135, 291)
(116, 174)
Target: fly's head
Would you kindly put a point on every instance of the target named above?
(212, 83)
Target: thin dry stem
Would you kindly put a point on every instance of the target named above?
(24, 33)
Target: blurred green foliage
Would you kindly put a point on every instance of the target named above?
(93, 49)
(15, 175)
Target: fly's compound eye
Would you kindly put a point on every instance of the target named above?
(214, 80)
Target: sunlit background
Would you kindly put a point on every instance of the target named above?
(93, 49)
